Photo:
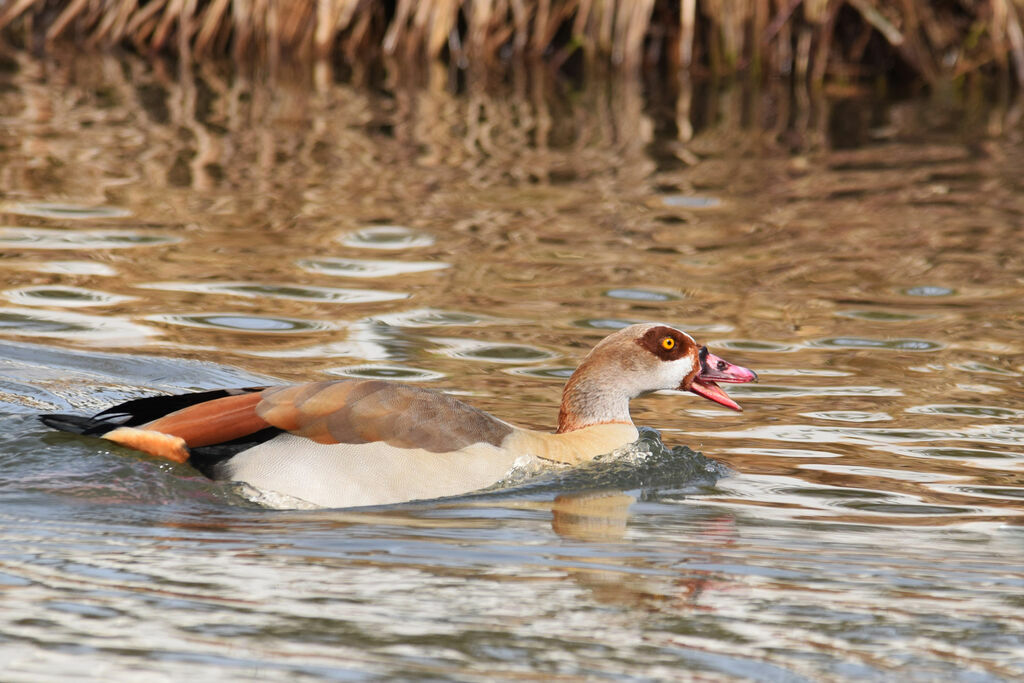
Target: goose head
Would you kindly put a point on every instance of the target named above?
(637, 360)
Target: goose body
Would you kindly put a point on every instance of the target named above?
(355, 442)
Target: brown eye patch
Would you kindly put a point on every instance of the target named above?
(666, 343)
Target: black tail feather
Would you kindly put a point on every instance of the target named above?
(206, 459)
(77, 424)
(142, 410)
(135, 412)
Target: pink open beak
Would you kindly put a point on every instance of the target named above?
(714, 369)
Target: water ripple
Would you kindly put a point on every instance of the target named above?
(784, 452)
(389, 237)
(974, 366)
(839, 435)
(803, 372)
(90, 329)
(952, 453)
(848, 416)
(364, 268)
(687, 201)
(63, 211)
(883, 316)
(928, 291)
(435, 317)
(887, 438)
(49, 238)
(364, 350)
(65, 267)
(792, 498)
(864, 471)
(604, 323)
(560, 373)
(755, 345)
(244, 322)
(912, 508)
(1011, 493)
(493, 352)
(399, 373)
(778, 391)
(619, 323)
(994, 412)
(281, 291)
(878, 344)
(65, 297)
(646, 295)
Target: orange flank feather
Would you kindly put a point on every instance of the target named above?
(155, 443)
(213, 422)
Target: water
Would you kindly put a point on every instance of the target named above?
(171, 229)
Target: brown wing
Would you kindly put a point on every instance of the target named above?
(364, 411)
(339, 411)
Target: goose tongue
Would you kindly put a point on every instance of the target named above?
(713, 369)
(713, 392)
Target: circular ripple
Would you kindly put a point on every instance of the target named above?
(67, 297)
(751, 345)
(832, 492)
(967, 411)
(603, 323)
(389, 372)
(238, 322)
(640, 295)
(346, 267)
(906, 508)
(282, 291)
(848, 416)
(882, 316)
(433, 317)
(48, 238)
(930, 291)
(885, 344)
(66, 268)
(1007, 492)
(504, 353)
(785, 452)
(778, 391)
(386, 237)
(560, 373)
(87, 328)
(686, 201)
(954, 453)
(490, 352)
(803, 372)
(974, 366)
(66, 211)
(618, 324)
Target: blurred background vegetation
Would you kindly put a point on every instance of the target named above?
(821, 42)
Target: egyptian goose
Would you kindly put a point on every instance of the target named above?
(353, 442)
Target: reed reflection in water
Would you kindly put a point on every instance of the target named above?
(860, 255)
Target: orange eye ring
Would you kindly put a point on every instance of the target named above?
(668, 343)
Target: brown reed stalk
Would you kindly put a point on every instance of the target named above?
(687, 22)
(937, 41)
(1015, 36)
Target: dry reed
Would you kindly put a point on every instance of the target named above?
(816, 40)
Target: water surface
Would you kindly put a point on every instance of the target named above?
(168, 229)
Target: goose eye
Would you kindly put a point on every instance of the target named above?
(668, 343)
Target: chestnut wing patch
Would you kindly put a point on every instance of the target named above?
(212, 422)
(365, 411)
